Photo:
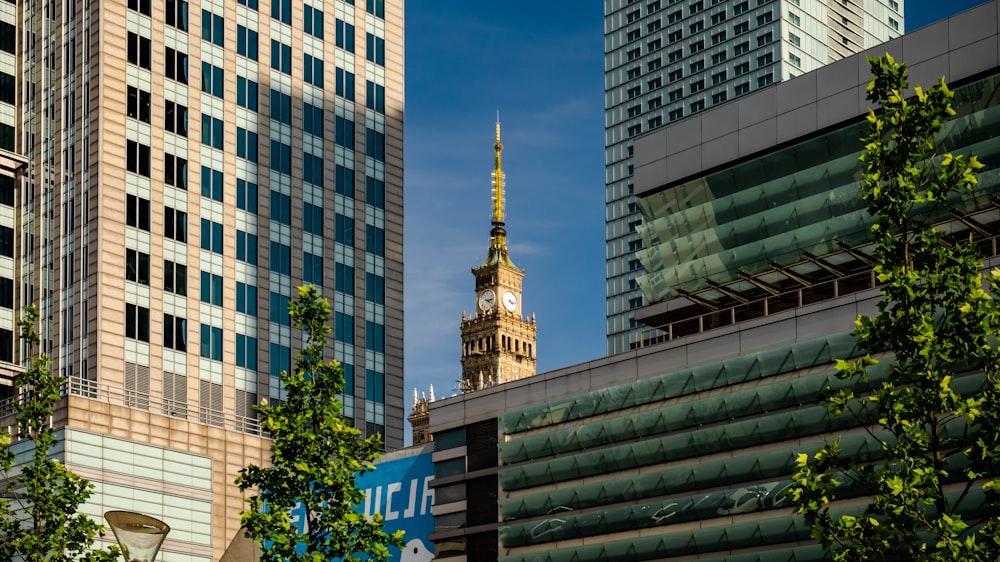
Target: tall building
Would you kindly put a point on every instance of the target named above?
(180, 167)
(498, 343)
(668, 59)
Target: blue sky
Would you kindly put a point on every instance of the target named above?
(540, 64)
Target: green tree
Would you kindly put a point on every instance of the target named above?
(38, 512)
(935, 397)
(316, 455)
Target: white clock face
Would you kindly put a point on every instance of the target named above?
(486, 300)
(510, 301)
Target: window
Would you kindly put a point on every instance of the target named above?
(313, 70)
(696, 27)
(281, 10)
(211, 288)
(675, 75)
(344, 280)
(137, 212)
(655, 122)
(213, 28)
(375, 98)
(765, 59)
(345, 36)
(177, 66)
(281, 157)
(696, 66)
(281, 57)
(794, 39)
(281, 258)
(7, 88)
(764, 39)
(211, 236)
(632, 16)
(312, 269)
(675, 114)
(136, 322)
(719, 58)
(675, 56)
(246, 299)
(696, 86)
(374, 240)
(343, 327)
(742, 68)
(374, 191)
(741, 8)
(764, 18)
(177, 14)
(719, 77)
(144, 7)
(375, 50)
(634, 92)
(175, 224)
(174, 278)
(375, 386)
(345, 84)
(7, 188)
(632, 35)
(375, 7)
(137, 158)
(312, 219)
(718, 18)
(312, 120)
(794, 18)
(653, 26)
(212, 80)
(741, 28)
(280, 358)
(674, 17)
(375, 339)
(246, 196)
(174, 332)
(211, 342)
(246, 247)
(313, 21)
(719, 37)
(696, 47)
(344, 134)
(634, 130)
(246, 352)
(137, 266)
(138, 104)
(140, 50)
(697, 7)
(246, 93)
(247, 42)
(246, 144)
(741, 89)
(375, 288)
(654, 64)
(281, 207)
(653, 6)
(654, 45)
(633, 54)
(634, 303)
(894, 5)
(654, 103)
(741, 48)
(375, 144)
(212, 184)
(718, 98)
(634, 111)
(697, 106)
(176, 120)
(344, 229)
(894, 24)
(765, 80)
(281, 107)
(795, 59)
(675, 36)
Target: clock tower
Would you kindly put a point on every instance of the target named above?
(498, 343)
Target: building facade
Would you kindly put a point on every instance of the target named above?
(682, 448)
(185, 165)
(666, 60)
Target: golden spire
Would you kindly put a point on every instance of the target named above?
(498, 236)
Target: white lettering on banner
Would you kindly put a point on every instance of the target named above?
(419, 493)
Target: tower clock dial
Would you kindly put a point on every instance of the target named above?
(510, 301)
(486, 300)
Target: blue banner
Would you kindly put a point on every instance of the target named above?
(399, 490)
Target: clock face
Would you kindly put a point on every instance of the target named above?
(486, 300)
(510, 301)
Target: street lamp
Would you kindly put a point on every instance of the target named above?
(139, 536)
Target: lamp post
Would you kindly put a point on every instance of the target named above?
(139, 536)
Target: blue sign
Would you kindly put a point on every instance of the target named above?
(399, 490)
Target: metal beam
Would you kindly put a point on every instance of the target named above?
(758, 283)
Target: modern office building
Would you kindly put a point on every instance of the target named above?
(179, 168)
(682, 448)
(666, 60)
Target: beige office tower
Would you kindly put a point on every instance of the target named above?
(171, 171)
